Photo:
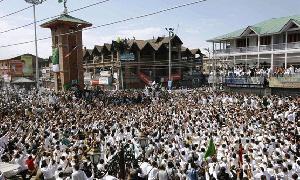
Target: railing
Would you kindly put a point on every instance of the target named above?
(294, 45)
(280, 46)
(252, 48)
(262, 48)
(245, 80)
(217, 79)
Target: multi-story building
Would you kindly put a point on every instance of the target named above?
(271, 43)
(21, 68)
(271, 47)
(141, 62)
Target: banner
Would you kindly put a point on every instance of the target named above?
(16, 68)
(127, 57)
(105, 80)
(55, 60)
(27, 65)
(284, 82)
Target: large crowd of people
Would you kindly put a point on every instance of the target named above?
(277, 71)
(49, 135)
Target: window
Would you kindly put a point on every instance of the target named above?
(242, 42)
(293, 37)
(266, 40)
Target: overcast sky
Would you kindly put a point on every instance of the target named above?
(194, 24)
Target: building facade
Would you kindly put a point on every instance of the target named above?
(272, 44)
(266, 54)
(22, 66)
(135, 63)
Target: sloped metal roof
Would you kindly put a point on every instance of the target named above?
(268, 27)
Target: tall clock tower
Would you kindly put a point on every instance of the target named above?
(66, 34)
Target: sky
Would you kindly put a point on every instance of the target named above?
(193, 24)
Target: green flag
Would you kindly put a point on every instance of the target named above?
(60, 1)
(55, 60)
(211, 149)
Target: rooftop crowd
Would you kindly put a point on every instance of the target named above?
(50, 134)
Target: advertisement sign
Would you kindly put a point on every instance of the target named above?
(27, 65)
(105, 73)
(127, 57)
(16, 68)
(105, 80)
(284, 82)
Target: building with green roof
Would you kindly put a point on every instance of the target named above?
(270, 44)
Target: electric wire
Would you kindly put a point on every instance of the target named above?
(41, 20)
(111, 23)
(15, 12)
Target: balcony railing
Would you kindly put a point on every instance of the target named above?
(294, 45)
(262, 48)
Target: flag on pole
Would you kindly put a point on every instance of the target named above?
(55, 60)
(211, 149)
(60, 1)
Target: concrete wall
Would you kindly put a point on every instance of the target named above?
(256, 91)
(285, 92)
(264, 91)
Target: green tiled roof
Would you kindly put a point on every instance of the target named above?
(66, 18)
(271, 26)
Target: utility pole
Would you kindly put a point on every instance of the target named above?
(171, 33)
(34, 3)
(213, 65)
(214, 68)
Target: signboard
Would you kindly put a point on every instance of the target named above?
(169, 84)
(27, 65)
(127, 57)
(105, 80)
(284, 82)
(16, 68)
(105, 73)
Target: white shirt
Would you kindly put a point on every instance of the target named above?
(153, 174)
(162, 175)
(109, 178)
(48, 171)
(79, 175)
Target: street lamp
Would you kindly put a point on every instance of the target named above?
(171, 33)
(34, 3)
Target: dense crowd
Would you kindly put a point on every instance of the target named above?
(242, 71)
(50, 135)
